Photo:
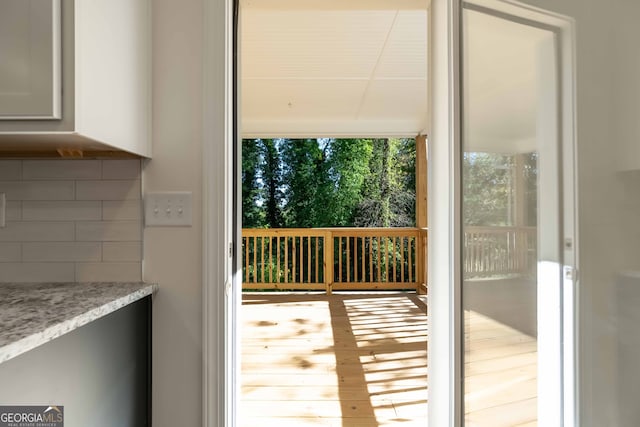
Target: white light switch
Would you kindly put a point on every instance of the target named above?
(168, 209)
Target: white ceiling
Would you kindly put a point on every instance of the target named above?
(313, 68)
(346, 68)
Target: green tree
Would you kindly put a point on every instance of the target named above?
(348, 167)
(271, 167)
(302, 159)
(388, 193)
(252, 212)
(328, 182)
(403, 183)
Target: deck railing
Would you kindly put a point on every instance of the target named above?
(334, 258)
(499, 251)
(374, 258)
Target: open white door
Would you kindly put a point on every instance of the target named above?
(502, 257)
(517, 240)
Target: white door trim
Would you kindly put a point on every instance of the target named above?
(219, 339)
(444, 281)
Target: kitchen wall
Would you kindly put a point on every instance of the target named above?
(173, 255)
(71, 220)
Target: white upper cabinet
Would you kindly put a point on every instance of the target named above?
(30, 84)
(75, 77)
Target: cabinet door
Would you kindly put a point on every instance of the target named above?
(30, 59)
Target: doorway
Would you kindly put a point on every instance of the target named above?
(227, 338)
(322, 84)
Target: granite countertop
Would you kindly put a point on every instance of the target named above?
(32, 314)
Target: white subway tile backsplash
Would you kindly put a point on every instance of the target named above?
(71, 220)
(108, 271)
(37, 232)
(10, 252)
(14, 210)
(121, 251)
(10, 170)
(61, 169)
(106, 231)
(121, 169)
(61, 251)
(108, 190)
(118, 210)
(72, 210)
(35, 190)
(37, 272)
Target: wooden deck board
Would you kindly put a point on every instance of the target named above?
(360, 360)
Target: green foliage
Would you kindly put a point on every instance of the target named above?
(252, 212)
(299, 183)
(388, 192)
(349, 166)
(272, 181)
(304, 173)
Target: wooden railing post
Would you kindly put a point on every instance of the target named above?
(421, 261)
(328, 262)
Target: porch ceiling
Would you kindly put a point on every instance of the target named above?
(336, 68)
(333, 68)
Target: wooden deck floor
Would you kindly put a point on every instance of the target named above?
(360, 360)
(500, 374)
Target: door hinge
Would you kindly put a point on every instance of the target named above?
(231, 249)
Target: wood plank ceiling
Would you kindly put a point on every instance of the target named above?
(314, 68)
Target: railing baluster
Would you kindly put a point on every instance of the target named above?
(348, 260)
(386, 258)
(278, 257)
(363, 271)
(379, 258)
(402, 239)
(339, 259)
(317, 276)
(245, 240)
(262, 259)
(308, 259)
(286, 259)
(301, 259)
(410, 255)
(395, 261)
(355, 259)
(269, 257)
(294, 253)
(255, 259)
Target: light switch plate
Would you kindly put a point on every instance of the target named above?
(3, 210)
(168, 209)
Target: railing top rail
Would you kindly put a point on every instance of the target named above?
(310, 232)
(365, 232)
(322, 230)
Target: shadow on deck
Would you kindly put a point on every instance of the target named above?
(360, 360)
(341, 360)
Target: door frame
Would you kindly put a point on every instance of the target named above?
(220, 362)
(220, 303)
